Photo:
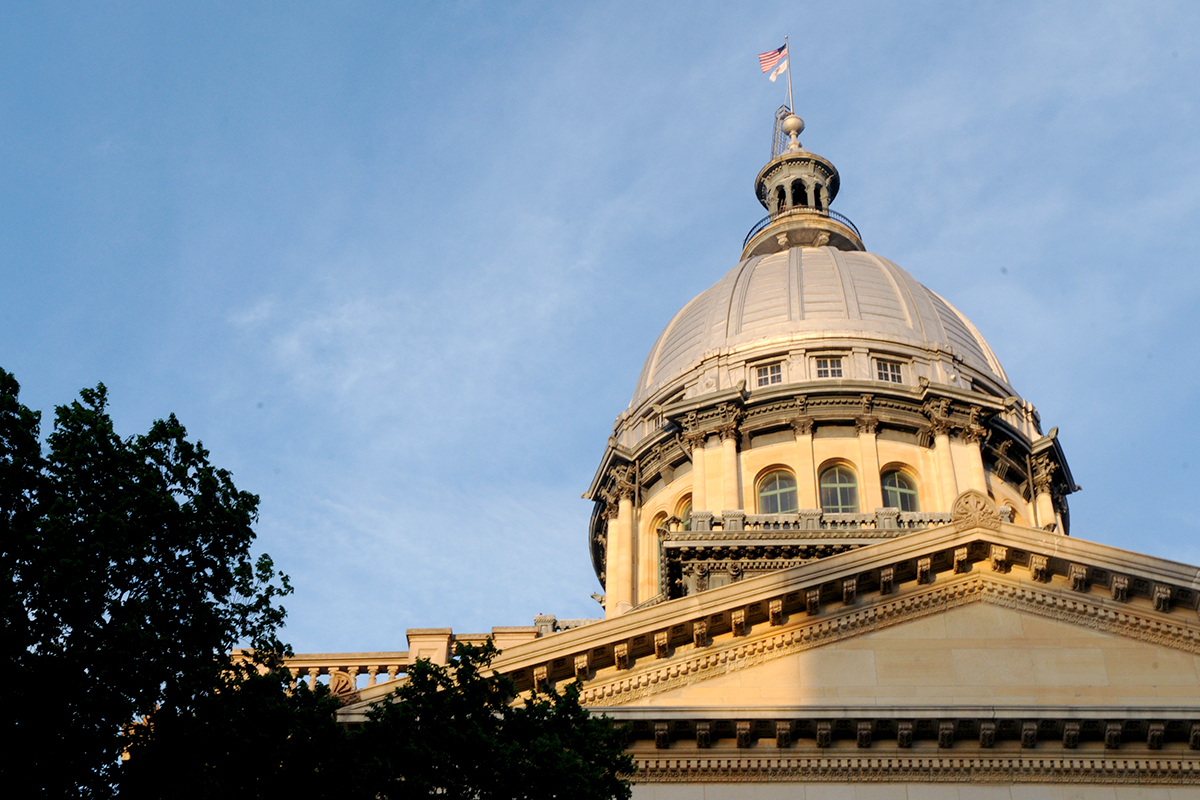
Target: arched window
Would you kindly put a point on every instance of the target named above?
(899, 491)
(839, 491)
(817, 197)
(780, 199)
(799, 193)
(777, 493)
(685, 515)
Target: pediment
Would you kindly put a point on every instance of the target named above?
(974, 645)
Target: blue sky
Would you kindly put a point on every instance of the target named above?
(397, 264)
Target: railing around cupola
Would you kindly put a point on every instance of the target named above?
(800, 210)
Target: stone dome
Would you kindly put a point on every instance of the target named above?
(808, 297)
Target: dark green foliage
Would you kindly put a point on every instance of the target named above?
(450, 732)
(251, 739)
(129, 580)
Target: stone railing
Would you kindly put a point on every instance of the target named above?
(814, 519)
(347, 672)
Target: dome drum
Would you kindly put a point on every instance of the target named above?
(909, 429)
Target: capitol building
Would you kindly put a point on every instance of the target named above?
(837, 560)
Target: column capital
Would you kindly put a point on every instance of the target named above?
(974, 434)
(623, 480)
(1043, 473)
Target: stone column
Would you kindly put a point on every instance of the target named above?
(1043, 475)
(613, 556)
(974, 436)
(696, 442)
(647, 566)
(807, 495)
(729, 469)
(945, 462)
(872, 489)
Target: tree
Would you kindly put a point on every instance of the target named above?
(454, 732)
(128, 582)
(254, 737)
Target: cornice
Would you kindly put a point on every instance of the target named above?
(1151, 770)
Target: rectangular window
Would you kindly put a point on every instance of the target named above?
(829, 368)
(769, 374)
(888, 371)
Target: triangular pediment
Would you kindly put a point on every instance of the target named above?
(1123, 612)
(978, 649)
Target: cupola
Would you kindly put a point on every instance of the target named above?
(796, 187)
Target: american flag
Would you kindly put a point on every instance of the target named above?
(770, 58)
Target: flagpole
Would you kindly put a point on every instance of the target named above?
(788, 50)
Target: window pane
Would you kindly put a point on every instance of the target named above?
(899, 491)
(839, 491)
(777, 493)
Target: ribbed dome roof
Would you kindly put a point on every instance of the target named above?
(811, 293)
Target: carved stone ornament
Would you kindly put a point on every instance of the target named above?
(621, 655)
(775, 611)
(1162, 598)
(824, 734)
(1043, 473)
(1112, 736)
(743, 734)
(987, 734)
(961, 564)
(802, 426)
(945, 734)
(703, 734)
(1071, 735)
(864, 734)
(737, 619)
(1194, 736)
(1155, 735)
(662, 735)
(731, 418)
(1119, 588)
(694, 439)
(340, 683)
(974, 434)
(623, 480)
(700, 633)
(812, 602)
(974, 509)
(999, 558)
(1079, 577)
(887, 580)
(661, 642)
(849, 591)
(1028, 734)
(783, 734)
(904, 734)
(581, 667)
(924, 570)
(866, 425)
(1039, 568)
(541, 677)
